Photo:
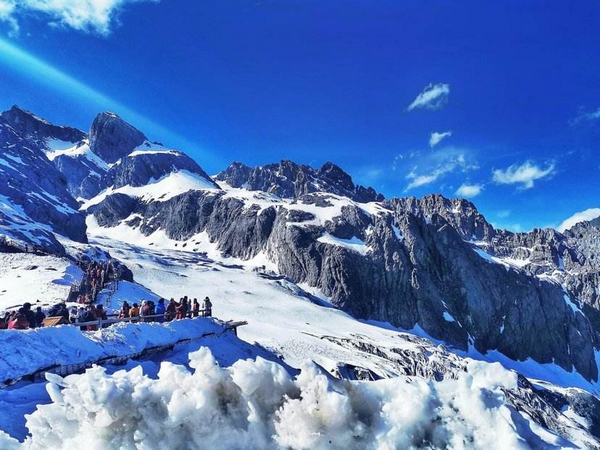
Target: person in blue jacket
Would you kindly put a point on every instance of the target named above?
(160, 309)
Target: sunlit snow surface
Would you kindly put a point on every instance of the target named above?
(163, 189)
(258, 405)
(58, 148)
(354, 244)
(29, 278)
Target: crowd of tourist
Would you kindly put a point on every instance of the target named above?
(96, 275)
(149, 312)
(146, 311)
(95, 278)
(22, 318)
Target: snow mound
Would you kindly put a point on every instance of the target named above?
(163, 189)
(256, 404)
(41, 348)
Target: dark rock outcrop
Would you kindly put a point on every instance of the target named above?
(111, 137)
(34, 196)
(290, 180)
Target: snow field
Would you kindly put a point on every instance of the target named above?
(28, 278)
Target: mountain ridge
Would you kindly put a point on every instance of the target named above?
(431, 262)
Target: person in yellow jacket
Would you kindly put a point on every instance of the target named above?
(134, 311)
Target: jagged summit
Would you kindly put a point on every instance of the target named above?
(29, 125)
(112, 138)
(288, 179)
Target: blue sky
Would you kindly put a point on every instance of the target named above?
(511, 90)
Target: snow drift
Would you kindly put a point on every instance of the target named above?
(23, 352)
(256, 404)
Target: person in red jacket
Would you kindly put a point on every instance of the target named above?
(18, 322)
(146, 311)
(195, 308)
(171, 310)
(182, 309)
(94, 313)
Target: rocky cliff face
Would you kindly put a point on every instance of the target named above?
(27, 125)
(290, 180)
(111, 138)
(34, 201)
(385, 263)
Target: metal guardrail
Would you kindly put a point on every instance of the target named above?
(68, 369)
(140, 318)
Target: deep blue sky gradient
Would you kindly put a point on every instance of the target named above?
(312, 81)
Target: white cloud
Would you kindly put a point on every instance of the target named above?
(433, 97)
(445, 161)
(469, 190)
(582, 216)
(524, 174)
(586, 117)
(436, 137)
(95, 16)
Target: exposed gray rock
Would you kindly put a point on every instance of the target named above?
(290, 180)
(111, 138)
(82, 170)
(418, 270)
(458, 212)
(36, 203)
(26, 124)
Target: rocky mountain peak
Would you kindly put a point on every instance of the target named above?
(29, 125)
(112, 138)
(336, 176)
(288, 179)
(459, 212)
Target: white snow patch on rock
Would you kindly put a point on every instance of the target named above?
(354, 244)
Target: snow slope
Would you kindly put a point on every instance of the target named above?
(29, 278)
(283, 317)
(284, 321)
(162, 189)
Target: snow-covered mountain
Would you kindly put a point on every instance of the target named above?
(35, 205)
(321, 268)
(407, 262)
